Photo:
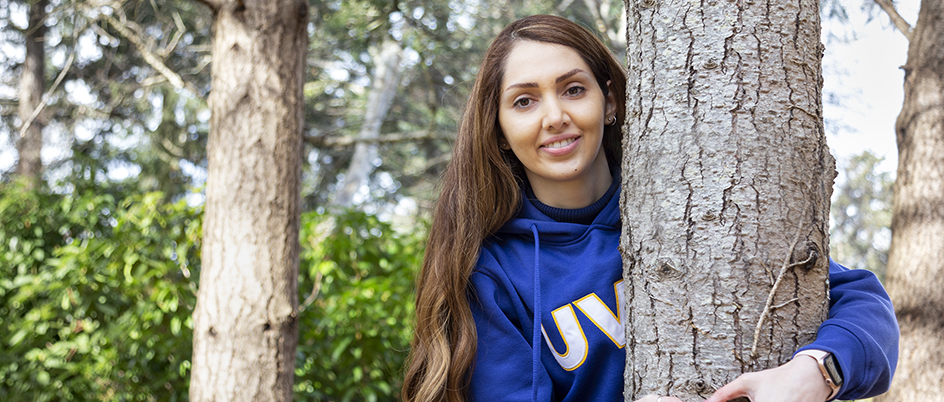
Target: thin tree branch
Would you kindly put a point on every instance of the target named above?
(315, 289)
(333, 142)
(181, 30)
(784, 303)
(212, 4)
(322, 231)
(896, 18)
(62, 74)
(770, 297)
(152, 59)
(103, 33)
(594, 7)
(42, 103)
(563, 5)
(14, 103)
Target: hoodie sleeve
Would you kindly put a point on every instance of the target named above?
(861, 332)
(502, 370)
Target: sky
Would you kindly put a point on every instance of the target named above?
(862, 74)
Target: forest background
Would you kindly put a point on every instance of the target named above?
(100, 246)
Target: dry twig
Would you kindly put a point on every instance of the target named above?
(768, 307)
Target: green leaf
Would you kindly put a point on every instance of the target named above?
(175, 326)
(130, 259)
(17, 337)
(358, 374)
(43, 377)
(339, 348)
(39, 254)
(23, 280)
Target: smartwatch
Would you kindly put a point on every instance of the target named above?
(829, 368)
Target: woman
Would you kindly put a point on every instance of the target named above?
(528, 220)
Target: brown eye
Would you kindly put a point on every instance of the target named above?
(523, 102)
(575, 90)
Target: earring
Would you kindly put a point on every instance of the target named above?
(503, 145)
(611, 121)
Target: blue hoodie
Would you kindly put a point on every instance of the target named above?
(579, 271)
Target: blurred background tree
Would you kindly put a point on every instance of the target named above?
(861, 214)
(99, 255)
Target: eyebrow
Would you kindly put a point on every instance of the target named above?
(563, 77)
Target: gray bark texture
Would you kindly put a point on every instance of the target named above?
(726, 187)
(245, 326)
(29, 145)
(915, 276)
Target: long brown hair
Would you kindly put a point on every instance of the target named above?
(480, 193)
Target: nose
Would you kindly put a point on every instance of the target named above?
(555, 115)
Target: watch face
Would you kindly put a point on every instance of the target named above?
(830, 363)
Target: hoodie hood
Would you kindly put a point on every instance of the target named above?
(552, 230)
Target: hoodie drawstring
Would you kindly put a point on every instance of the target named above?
(536, 342)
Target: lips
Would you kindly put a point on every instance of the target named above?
(561, 145)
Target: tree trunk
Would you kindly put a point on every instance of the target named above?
(382, 90)
(29, 145)
(726, 187)
(916, 259)
(245, 323)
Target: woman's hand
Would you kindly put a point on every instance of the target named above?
(798, 380)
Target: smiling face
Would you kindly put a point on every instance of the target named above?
(552, 112)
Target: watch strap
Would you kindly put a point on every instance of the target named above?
(820, 357)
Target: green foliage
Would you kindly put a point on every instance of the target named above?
(862, 214)
(357, 282)
(95, 296)
(97, 290)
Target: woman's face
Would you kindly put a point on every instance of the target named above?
(552, 112)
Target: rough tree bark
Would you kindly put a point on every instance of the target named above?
(245, 327)
(383, 88)
(29, 145)
(916, 257)
(726, 187)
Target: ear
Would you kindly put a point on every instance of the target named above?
(610, 105)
